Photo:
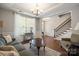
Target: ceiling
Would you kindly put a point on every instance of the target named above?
(45, 9)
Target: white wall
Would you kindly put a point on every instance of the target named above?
(60, 20)
(8, 21)
(38, 26)
(49, 28)
(8, 18)
(75, 20)
(30, 22)
(52, 22)
(23, 25)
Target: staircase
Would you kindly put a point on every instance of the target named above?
(63, 28)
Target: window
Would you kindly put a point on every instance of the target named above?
(24, 24)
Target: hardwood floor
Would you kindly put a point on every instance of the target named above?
(55, 45)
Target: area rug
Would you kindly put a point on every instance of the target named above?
(33, 51)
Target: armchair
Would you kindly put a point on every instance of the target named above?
(27, 37)
(74, 48)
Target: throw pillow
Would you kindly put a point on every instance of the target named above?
(8, 38)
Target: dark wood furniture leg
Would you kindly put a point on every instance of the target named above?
(30, 45)
(38, 50)
(44, 50)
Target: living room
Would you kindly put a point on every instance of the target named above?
(39, 30)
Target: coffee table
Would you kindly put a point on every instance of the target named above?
(38, 42)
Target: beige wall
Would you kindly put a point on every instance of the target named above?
(8, 21)
(75, 16)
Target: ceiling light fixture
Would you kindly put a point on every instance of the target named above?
(36, 10)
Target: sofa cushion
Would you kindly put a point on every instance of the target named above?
(8, 38)
(2, 42)
(8, 53)
(8, 50)
(19, 47)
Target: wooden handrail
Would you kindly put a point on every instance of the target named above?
(62, 27)
(63, 23)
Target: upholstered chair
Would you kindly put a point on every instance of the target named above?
(74, 48)
(75, 36)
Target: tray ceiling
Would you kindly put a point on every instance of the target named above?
(29, 8)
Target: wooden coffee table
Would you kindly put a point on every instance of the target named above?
(38, 42)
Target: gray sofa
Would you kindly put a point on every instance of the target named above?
(17, 45)
(12, 42)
